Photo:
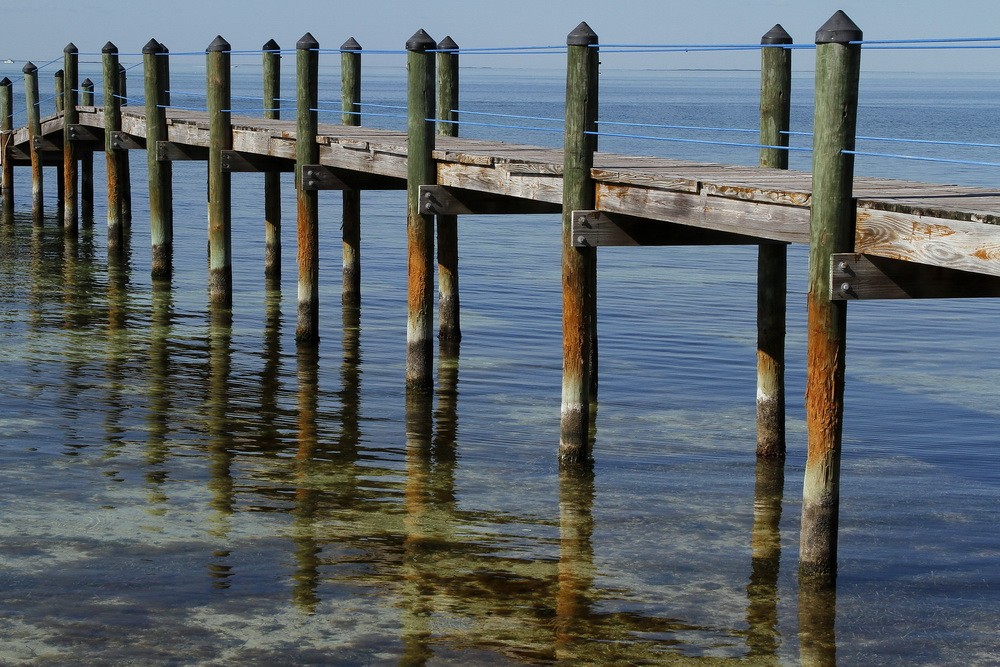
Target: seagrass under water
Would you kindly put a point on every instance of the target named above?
(179, 488)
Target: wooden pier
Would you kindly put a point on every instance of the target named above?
(869, 238)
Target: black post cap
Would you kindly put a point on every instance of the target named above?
(5, 82)
(839, 29)
(71, 48)
(350, 45)
(271, 45)
(420, 42)
(218, 45)
(307, 42)
(582, 35)
(29, 68)
(776, 35)
(152, 46)
(447, 44)
(109, 48)
(86, 82)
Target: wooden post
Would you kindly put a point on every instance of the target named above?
(419, 227)
(59, 80)
(578, 264)
(219, 93)
(272, 179)
(112, 158)
(772, 261)
(6, 143)
(350, 97)
(125, 173)
(307, 152)
(449, 324)
(87, 161)
(34, 123)
(70, 117)
(160, 223)
(838, 64)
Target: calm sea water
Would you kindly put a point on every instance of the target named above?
(177, 491)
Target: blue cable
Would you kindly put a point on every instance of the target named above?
(923, 159)
(698, 141)
(508, 127)
(680, 127)
(504, 115)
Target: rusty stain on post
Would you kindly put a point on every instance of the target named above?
(832, 214)
(578, 264)
(306, 153)
(420, 227)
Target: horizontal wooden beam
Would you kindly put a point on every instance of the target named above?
(442, 200)
(238, 161)
(169, 151)
(86, 134)
(124, 141)
(597, 228)
(46, 145)
(856, 276)
(955, 244)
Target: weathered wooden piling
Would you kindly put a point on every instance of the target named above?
(86, 156)
(160, 218)
(125, 170)
(420, 227)
(59, 79)
(112, 157)
(307, 153)
(832, 216)
(6, 146)
(350, 98)
(578, 264)
(34, 124)
(70, 117)
(772, 260)
(220, 233)
(449, 323)
(272, 179)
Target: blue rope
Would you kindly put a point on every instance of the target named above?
(930, 47)
(508, 127)
(392, 52)
(698, 141)
(378, 106)
(239, 111)
(924, 159)
(179, 108)
(928, 41)
(680, 127)
(934, 142)
(500, 49)
(358, 113)
(131, 99)
(504, 115)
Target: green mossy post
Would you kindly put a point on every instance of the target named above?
(160, 222)
(6, 139)
(220, 231)
(832, 216)
(772, 259)
(307, 152)
(71, 117)
(272, 179)
(34, 123)
(578, 264)
(125, 173)
(350, 97)
(87, 161)
(449, 323)
(113, 158)
(420, 227)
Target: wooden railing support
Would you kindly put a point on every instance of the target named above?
(307, 152)
(71, 117)
(832, 219)
(113, 158)
(220, 230)
(350, 97)
(420, 227)
(34, 123)
(6, 146)
(87, 161)
(271, 56)
(578, 264)
(772, 259)
(449, 317)
(160, 208)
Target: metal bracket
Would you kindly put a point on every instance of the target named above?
(321, 177)
(856, 276)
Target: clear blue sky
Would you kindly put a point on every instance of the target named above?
(39, 31)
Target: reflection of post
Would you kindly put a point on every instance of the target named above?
(350, 378)
(118, 349)
(217, 404)
(416, 610)
(576, 558)
(765, 546)
(270, 376)
(161, 321)
(817, 618)
(306, 496)
(446, 426)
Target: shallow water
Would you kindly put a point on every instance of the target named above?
(180, 487)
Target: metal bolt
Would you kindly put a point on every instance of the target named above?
(581, 240)
(842, 266)
(581, 220)
(845, 287)
(310, 184)
(428, 206)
